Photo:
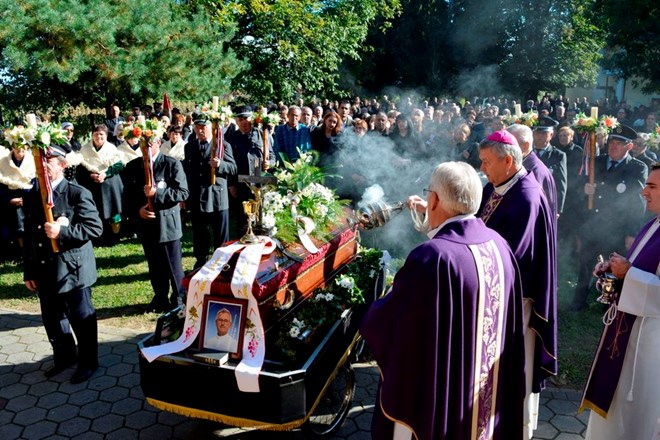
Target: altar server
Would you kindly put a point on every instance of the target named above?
(448, 337)
(623, 387)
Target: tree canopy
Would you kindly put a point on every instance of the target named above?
(633, 40)
(57, 52)
(296, 47)
(477, 47)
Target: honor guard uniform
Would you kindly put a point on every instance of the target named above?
(247, 145)
(553, 158)
(159, 229)
(208, 203)
(618, 207)
(63, 279)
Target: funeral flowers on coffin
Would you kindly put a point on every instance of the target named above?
(300, 194)
(327, 305)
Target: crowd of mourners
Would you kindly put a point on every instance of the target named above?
(365, 141)
(553, 198)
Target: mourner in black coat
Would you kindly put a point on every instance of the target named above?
(159, 229)
(618, 208)
(247, 145)
(208, 204)
(63, 280)
(552, 157)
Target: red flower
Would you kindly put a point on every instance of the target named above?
(137, 131)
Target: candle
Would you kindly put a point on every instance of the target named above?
(31, 120)
(140, 120)
(594, 112)
(517, 110)
(216, 101)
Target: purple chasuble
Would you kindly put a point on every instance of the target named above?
(611, 352)
(448, 337)
(524, 219)
(543, 176)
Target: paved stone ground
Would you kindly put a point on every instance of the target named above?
(111, 405)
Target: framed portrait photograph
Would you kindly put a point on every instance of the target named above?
(223, 325)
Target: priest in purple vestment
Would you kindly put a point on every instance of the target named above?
(534, 165)
(623, 387)
(515, 206)
(448, 337)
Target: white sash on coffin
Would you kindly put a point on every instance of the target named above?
(254, 347)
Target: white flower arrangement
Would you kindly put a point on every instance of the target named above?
(300, 193)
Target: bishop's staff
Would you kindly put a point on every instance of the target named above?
(42, 137)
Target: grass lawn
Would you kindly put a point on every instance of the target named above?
(123, 289)
(120, 294)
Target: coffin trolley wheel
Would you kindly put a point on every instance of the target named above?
(330, 413)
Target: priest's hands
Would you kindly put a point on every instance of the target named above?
(416, 203)
(619, 265)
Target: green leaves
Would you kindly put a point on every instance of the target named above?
(102, 51)
(296, 47)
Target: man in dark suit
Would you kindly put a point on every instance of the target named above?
(618, 208)
(63, 279)
(640, 151)
(208, 203)
(159, 227)
(114, 118)
(553, 158)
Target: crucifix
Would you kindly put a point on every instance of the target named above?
(256, 183)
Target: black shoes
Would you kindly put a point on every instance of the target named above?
(58, 367)
(157, 306)
(83, 374)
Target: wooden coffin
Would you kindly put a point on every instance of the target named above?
(288, 276)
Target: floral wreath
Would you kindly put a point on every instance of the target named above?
(150, 131)
(586, 124)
